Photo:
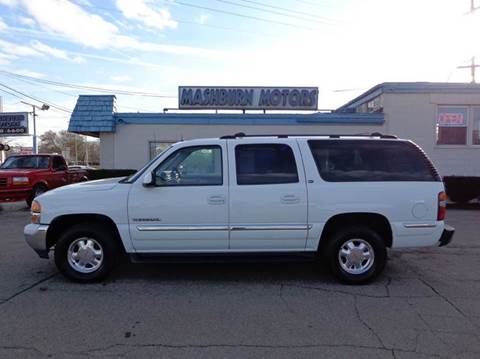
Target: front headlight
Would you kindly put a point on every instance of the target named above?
(20, 180)
(36, 209)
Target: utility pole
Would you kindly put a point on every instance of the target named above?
(472, 65)
(34, 147)
(472, 68)
(86, 151)
(44, 107)
(76, 149)
(473, 7)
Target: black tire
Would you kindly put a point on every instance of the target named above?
(358, 235)
(102, 236)
(36, 191)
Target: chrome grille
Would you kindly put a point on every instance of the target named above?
(3, 182)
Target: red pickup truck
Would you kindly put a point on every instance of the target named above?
(24, 177)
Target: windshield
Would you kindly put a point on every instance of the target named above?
(133, 177)
(26, 162)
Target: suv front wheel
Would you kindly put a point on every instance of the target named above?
(356, 254)
(85, 253)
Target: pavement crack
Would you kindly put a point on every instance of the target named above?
(130, 347)
(327, 290)
(453, 305)
(99, 351)
(28, 288)
(387, 286)
(427, 325)
(17, 347)
(366, 325)
(289, 308)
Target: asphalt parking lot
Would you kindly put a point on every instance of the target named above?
(425, 305)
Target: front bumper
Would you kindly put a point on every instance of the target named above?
(14, 195)
(447, 235)
(36, 237)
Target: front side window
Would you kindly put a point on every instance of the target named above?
(372, 160)
(265, 164)
(452, 124)
(191, 166)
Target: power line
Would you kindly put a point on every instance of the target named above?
(289, 10)
(60, 108)
(273, 11)
(11, 93)
(138, 109)
(242, 15)
(38, 84)
(90, 88)
(225, 28)
(181, 21)
(309, 3)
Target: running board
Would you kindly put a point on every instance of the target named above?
(222, 257)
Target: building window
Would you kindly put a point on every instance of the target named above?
(452, 125)
(374, 105)
(157, 147)
(476, 126)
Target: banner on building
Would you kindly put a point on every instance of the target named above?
(248, 98)
(452, 117)
(14, 124)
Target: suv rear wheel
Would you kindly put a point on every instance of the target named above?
(85, 253)
(356, 254)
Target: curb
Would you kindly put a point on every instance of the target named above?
(12, 207)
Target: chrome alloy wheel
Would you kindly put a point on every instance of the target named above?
(356, 256)
(85, 255)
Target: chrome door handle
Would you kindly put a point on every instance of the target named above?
(216, 199)
(290, 199)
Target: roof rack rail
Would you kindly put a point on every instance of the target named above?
(374, 134)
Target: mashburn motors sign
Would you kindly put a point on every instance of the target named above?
(248, 98)
(13, 123)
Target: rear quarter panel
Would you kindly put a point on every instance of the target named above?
(402, 203)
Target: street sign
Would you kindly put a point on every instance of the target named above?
(248, 98)
(26, 150)
(14, 124)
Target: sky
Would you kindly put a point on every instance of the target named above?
(343, 47)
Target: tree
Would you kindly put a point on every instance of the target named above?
(72, 146)
(49, 143)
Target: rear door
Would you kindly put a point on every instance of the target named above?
(268, 198)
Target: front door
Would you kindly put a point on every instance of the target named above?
(268, 198)
(186, 209)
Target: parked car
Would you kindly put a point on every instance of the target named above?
(24, 177)
(342, 198)
(80, 167)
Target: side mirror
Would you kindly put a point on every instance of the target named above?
(148, 180)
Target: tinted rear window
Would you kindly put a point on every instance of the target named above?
(358, 161)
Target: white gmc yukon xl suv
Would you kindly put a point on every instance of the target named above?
(342, 198)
